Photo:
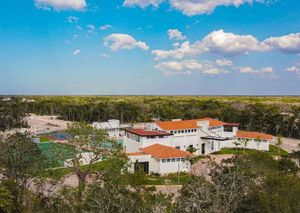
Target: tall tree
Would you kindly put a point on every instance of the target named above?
(20, 161)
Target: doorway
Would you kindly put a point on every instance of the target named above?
(141, 167)
(203, 149)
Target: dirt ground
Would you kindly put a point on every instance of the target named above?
(45, 124)
(289, 144)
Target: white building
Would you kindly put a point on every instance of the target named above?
(111, 126)
(159, 159)
(6, 99)
(206, 135)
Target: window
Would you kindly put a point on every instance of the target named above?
(212, 145)
(189, 130)
(228, 129)
(173, 159)
(168, 160)
(182, 159)
(178, 159)
(185, 131)
(177, 147)
(171, 132)
(163, 160)
(175, 132)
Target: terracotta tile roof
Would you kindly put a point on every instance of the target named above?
(231, 124)
(253, 135)
(142, 132)
(187, 124)
(161, 151)
(135, 153)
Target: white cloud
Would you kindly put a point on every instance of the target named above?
(123, 41)
(184, 50)
(91, 28)
(105, 27)
(215, 42)
(75, 36)
(229, 43)
(142, 3)
(176, 44)
(196, 7)
(175, 34)
(245, 70)
(61, 4)
(72, 19)
(76, 52)
(224, 62)
(288, 43)
(79, 27)
(188, 67)
(265, 72)
(104, 55)
(294, 69)
(226, 43)
(192, 7)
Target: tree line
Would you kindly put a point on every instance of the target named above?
(277, 119)
(12, 114)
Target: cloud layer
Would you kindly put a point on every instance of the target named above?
(226, 43)
(206, 68)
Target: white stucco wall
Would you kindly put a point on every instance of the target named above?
(131, 145)
(153, 162)
(251, 144)
(174, 167)
(160, 167)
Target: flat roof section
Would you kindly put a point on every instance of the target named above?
(144, 133)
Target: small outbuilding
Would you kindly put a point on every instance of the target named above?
(160, 159)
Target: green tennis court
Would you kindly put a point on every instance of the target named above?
(57, 153)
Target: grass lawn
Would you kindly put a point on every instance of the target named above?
(273, 150)
(170, 179)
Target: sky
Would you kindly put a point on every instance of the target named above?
(150, 47)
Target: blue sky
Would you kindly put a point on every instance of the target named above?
(154, 47)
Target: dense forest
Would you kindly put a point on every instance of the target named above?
(271, 115)
(274, 115)
(12, 114)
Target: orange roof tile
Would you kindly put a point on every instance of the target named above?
(142, 132)
(253, 135)
(161, 151)
(135, 153)
(187, 124)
